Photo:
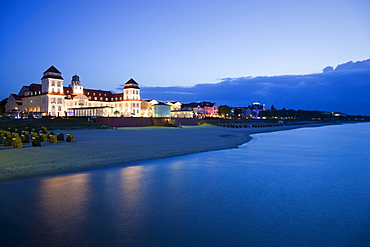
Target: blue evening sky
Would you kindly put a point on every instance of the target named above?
(176, 43)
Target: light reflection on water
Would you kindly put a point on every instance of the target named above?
(305, 187)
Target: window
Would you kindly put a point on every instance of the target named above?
(89, 97)
(95, 98)
(52, 83)
(88, 93)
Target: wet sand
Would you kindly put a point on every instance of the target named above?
(105, 147)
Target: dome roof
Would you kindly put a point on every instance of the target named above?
(75, 78)
(131, 84)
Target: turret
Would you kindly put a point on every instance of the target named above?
(76, 86)
(131, 90)
(52, 81)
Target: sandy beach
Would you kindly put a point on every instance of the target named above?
(104, 147)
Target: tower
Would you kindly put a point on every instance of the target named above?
(131, 99)
(52, 81)
(76, 86)
(131, 90)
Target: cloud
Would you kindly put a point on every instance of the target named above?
(345, 89)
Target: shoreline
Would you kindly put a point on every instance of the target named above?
(103, 148)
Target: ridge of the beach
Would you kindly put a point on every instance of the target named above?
(96, 148)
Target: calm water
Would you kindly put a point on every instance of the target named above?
(304, 187)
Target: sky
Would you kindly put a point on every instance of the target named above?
(177, 43)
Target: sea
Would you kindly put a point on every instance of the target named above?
(301, 187)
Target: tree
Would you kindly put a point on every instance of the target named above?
(224, 110)
(2, 105)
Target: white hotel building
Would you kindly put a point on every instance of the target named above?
(52, 98)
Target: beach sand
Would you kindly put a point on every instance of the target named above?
(104, 147)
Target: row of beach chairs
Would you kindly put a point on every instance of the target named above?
(16, 138)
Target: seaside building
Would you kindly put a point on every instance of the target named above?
(52, 98)
(242, 112)
(202, 109)
(256, 108)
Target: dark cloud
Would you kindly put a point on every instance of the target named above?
(345, 88)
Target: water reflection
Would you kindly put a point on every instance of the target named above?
(131, 189)
(63, 200)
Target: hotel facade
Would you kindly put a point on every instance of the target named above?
(52, 98)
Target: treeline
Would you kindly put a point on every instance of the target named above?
(272, 113)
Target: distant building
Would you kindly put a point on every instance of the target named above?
(202, 109)
(256, 108)
(242, 112)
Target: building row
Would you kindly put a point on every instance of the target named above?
(52, 98)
